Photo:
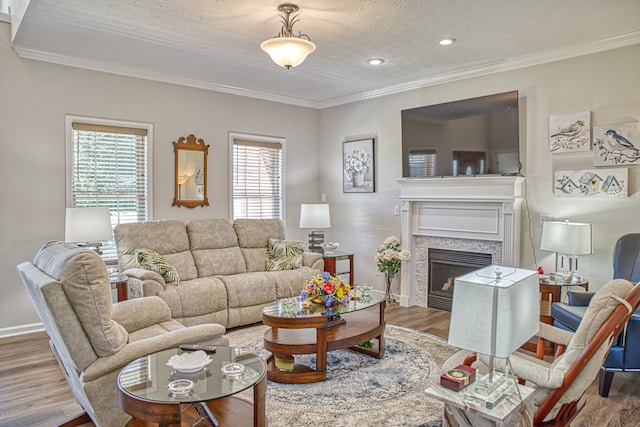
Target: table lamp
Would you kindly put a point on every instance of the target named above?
(88, 227)
(567, 240)
(495, 311)
(316, 217)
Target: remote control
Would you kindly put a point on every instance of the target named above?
(196, 347)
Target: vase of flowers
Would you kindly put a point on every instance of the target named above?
(389, 258)
(326, 289)
(357, 164)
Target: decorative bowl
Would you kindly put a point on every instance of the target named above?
(189, 362)
(179, 388)
(232, 370)
(329, 247)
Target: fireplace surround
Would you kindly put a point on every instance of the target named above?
(479, 214)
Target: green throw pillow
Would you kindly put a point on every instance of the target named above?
(284, 254)
(151, 260)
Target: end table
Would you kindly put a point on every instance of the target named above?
(330, 259)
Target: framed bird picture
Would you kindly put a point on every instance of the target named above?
(617, 144)
(569, 133)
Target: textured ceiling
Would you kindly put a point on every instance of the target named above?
(215, 44)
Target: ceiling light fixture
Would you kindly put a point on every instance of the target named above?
(447, 41)
(287, 49)
(375, 61)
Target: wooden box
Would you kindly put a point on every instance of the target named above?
(458, 378)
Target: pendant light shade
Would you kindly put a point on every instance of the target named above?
(287, 49)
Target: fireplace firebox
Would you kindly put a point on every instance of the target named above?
(444, 266)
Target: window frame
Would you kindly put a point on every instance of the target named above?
(258, 138)
(69, 144)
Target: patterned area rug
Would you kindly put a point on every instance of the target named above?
(360, 390)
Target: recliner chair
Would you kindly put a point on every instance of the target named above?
(91, 337)
(624, 355)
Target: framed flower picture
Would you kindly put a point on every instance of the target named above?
(358, 166)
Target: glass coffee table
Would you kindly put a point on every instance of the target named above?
(296, 329)
(143, 391)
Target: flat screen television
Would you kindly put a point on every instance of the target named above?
(477, 136)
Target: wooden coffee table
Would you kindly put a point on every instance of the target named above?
(313, 330)
(143, 394)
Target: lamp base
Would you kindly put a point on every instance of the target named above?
(316, 239)
(490, 393)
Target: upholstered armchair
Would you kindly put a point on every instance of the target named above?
(561, 383)
(91, 337)
(624, 356)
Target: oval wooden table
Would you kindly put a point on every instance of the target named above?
(143, 394)
(307, 330)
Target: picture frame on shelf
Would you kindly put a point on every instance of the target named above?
(358, 166)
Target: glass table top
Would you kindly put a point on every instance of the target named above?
(293, 307)
(149, 377)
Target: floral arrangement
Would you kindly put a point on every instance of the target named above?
(357, 161)
(325, 289)
(390, 256)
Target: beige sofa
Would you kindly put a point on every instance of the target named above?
(221, 266)
(93, 339)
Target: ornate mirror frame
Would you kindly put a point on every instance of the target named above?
(191, 172)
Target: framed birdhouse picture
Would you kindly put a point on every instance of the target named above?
(569, 133)
(617, 144)
(597, 183)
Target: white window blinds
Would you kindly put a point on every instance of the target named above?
(422, 163)
(257, 179)
(109, 167)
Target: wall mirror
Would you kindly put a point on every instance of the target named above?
(191, 172)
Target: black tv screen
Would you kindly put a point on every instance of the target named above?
(477, 136)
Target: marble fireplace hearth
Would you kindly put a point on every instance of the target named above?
(476, 215)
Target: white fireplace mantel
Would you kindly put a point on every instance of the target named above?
(481, 208)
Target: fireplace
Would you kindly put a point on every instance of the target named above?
(444, 266)
(473, 214)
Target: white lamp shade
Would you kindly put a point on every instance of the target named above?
(506, 309)
(315, 216)
(87, 225)
(288, 51)
(569, 238)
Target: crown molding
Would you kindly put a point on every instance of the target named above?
(159, 77)
(553, 55)
(524, 61)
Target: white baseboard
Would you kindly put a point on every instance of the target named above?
(21, 329)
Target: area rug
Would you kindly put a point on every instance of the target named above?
(360, 390)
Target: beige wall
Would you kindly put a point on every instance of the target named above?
(605, 84)
(34, 98)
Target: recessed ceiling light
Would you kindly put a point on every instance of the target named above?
(446, 41)
(375, 61)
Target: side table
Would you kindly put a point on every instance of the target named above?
(550, 292)
(330, 265)
(510, 412)
(120, 282)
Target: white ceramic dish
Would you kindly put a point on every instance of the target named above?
(189, 362)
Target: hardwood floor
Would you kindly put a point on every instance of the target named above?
(33, 391)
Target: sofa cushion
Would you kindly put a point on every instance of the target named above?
(253, 238)
(284, 254)
(85, 281)
(214, 246)
(153, 261)
(168, 238)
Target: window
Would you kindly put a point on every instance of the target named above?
(422, 163)
(108, 165)
(257, 182)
